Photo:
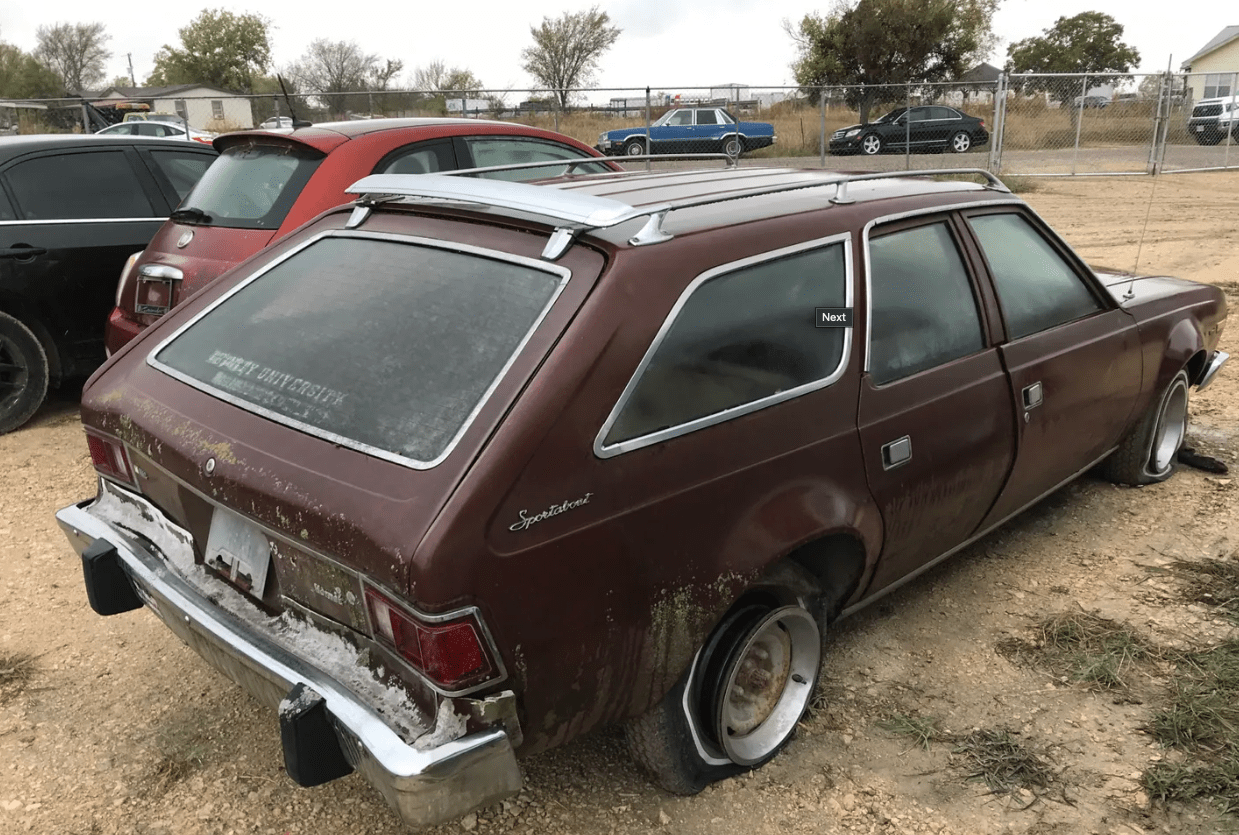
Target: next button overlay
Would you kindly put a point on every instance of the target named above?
(833, 317)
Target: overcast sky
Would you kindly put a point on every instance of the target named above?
(667, 44)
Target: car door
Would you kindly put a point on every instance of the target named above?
(1071, 354)
(943, 124)
(676, 134)
(80, 214)
(937, 428)
(708, 136)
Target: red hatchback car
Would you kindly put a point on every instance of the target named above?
(265, 184)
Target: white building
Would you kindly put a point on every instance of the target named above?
(205, 108)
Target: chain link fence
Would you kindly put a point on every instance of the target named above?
(1016, 124)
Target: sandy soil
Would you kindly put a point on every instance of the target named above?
(124, 730)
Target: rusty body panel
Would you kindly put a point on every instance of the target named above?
(600, 575)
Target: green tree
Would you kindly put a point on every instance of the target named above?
(23, 77)
(565, 52)
(218, 48)
(75, 51)
(889, 42)
(1086, 43)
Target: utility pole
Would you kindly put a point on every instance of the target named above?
(129, 55)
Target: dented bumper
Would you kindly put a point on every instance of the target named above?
(425, 782)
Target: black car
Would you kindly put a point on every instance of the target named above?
(72, 210)
(924, 128)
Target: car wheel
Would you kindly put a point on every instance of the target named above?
(1207, 138)
(634, 147)
(23, 373)
(1147, 455)
(732, 147)
(961, 142)
(738, 704)
(870, 144)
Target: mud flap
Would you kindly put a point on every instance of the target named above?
(312, 753)
(107, 585)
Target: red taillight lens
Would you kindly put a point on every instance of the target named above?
(450, 654)
(109, 457)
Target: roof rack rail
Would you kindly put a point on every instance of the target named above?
(581, 162)
(576, 212)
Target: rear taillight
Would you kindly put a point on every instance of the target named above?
(153, 296)
(450, 653)
(109, 457)
(124, 275)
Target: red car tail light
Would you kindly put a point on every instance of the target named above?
(452, 654)
(155, 287)
(109, 457)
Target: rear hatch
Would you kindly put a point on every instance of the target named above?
(331, 396)
(233, 212)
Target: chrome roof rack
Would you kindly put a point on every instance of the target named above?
(576, 212)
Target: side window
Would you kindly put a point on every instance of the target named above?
(503, 150)
(6, 211)
(922, 310)
(943, 113)
(739, 338)
(151, 129)
(707, 117)
(1036, 287)
(182, 170)
(97, 184)
(681, 118)
(919, 114)
(422, 158)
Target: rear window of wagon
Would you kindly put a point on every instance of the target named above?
(388, 346)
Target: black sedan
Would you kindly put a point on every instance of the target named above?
(920, 129)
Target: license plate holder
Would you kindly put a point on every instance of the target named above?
(237, 550)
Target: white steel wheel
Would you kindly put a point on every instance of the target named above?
(765, 685)
(1170, 430)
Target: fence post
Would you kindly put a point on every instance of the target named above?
(1230, 128)
(907, 129)
(995, 156)
(647, 126)
(1079, 112)
(1160, 112)
(821, 105)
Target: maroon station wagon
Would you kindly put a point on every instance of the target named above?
(266, 184)
(470, 468)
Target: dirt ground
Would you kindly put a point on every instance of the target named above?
(121, 729)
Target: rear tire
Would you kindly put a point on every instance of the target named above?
(1148, 454)
(732, 147)
(23, 373)
(739, 702)
(961, 142)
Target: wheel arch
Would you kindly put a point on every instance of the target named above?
(28, 316)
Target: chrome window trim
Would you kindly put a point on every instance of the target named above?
(603, 451)
(563, 273)
(944, 210)
(48, 220)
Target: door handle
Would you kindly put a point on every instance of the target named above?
(20, 251)
(1033, 396)
(897, 453)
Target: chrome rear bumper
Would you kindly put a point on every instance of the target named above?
(426, 785)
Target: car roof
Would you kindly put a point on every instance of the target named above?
(328, 135)
(13, 146)
(613, 207)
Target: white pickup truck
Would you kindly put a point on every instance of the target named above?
(1212, 119)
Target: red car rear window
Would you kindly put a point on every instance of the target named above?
(253, 186)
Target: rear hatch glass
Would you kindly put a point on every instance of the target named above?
(389, 346)
(252, 186)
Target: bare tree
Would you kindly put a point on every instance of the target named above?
(437, 77)
(75, 52)
(333, 68)
(565, 52)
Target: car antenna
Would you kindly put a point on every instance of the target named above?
(297, 123)
(1131, 286)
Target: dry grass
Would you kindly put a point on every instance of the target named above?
(922, 730)
(1201, 719)
(1211, 582)
(16, 672)
(1083, 647)
(1005, 765)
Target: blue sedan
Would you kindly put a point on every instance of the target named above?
(689, 130)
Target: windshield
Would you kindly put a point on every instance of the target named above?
(384, 346)
(253, 186)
